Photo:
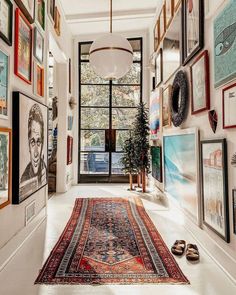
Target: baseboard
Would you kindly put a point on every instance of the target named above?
(8, 251)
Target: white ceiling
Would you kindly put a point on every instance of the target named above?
(92, 16)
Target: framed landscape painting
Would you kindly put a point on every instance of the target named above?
(27, 7)
(215, 186)
(229, 106)
(30, 125)
(4, 84)
(6, 11)
(156, 156)
(40, 13)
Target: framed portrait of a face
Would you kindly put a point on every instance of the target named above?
(166, 113)
(4, 84)
(200, 83)
(156, 36)
(162, 22)
(40, 13)
(23, 47)
(193, 28)
(229, 106)
(234, 210)
(158, 68)
(215, 186)
(6, 10)
(27, 7)
(57, 22)
(38, 80)
(38, 45)
(169, 6)
(5, 167)
(30, 127)
(51, 10)
(69, 150)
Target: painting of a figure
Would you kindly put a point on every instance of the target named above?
(4, 93)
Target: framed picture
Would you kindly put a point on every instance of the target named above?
(4, 84)
(181, 166)
(5, 168)
(225, 45)
(57, 22)
(215, 186)
(234, 210)
(27, 7)
(200, 83)
(40, 13)
(169, 4)
(30, 127)
(70, 80)
(166, 113)
(171, 48)
(70, 123)
(162, 22)
(154, 115)
(193, 28)
(6, 11)
(156, 36)
(176, 4)
(39, 80)
(69, 149)
(38, 45)
(229, 106)
(23, 47)
(158, 68)
(156, 156)
(51, 10)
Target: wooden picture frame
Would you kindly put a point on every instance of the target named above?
(6, 23)
(214, 175)
(169, 9)
(69, 150)
(156, 36)
(162, 23)
(229, 106)
(23, 39)
(51, 10)
(40, 13)
(158, 68)
(38, 45)
(165, 106)
(39, 80)
(176, 4)
(28, 9)
(4, 85)
(57, 22)
(6, 166)
(200, 83)
(234, 209)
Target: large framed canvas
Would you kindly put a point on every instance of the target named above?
(38, 45)
(200, 83)
(6, 11)
(23, 47)
(171, 48)
(234, 210)
(154, 115)
(158, 68)
(27, 7)
(215, 186)
(225, 45)
(181, 166)
(5, 167)
(192, 28)
(51, 10)
(156, 156)
(69, 150)
(229, 106)
(165, 106)
(40, 13)
(30, 125)
(169, 5)
(4, 84)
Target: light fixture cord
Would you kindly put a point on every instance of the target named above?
(110, 16)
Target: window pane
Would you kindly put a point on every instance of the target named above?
(94, 95)
(123, 118)
(88, 76)
(116, 167)
(121, 137)
(92, 118)
(126, 96)
(92, 140)
(132, 77)
(94, 163)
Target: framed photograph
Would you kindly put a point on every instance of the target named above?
(162, 22)
(154, 114)
(166, 112)
(51, 10)
(156, 36)
(30, 127)
(5, 167)
(215, 186)
(69, 150)
(27, 7)
(229, 106)
(225, 45)
(6, 11)
(181, 169)
(193, 28)
(158, 68)
(169, 4)
(176, 4)
(23, 47)
(171, 48)
(57, 22)
(40, 13)
(4, 84)
(39, 80)
(70, 79)
(156, 156)
(200, 83)
(234, 210)
(38, 45)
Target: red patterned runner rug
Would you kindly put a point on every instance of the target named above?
(110, 241)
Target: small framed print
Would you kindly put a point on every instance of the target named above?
(51, 10)
(57, 22)
(38, 45)
(40, 13)
(166, 114)
(169, 4)
(6, 10)
(200, 81)
(27, 7)
(234, 210)
(162, 22)
(23, 47)
(39, 80)
(176, 4)
(4, 84)
(158, 68)
(156, 36)
(229, 106)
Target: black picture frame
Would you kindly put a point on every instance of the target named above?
(30, 16)
(212, 164)
(186, 57)
(234, 209)
(158, 68)
(8, 39)
(30, 185)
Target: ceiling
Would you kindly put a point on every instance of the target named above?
(92, 16)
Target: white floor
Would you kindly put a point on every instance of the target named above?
(18, 276)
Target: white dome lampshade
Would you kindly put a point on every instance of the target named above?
(111, 56)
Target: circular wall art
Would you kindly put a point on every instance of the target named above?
(179, 99)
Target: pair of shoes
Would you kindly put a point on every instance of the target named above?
(192, 252)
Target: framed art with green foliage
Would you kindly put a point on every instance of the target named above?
(156, 155)
(6, 10)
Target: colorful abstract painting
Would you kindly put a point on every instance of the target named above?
(154, 115)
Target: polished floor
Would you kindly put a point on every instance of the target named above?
(18, 277)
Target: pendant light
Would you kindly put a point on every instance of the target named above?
(111, 55)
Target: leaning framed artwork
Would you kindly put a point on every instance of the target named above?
(4, 84)
(215, 186)
(38, 45)
(234, 210)
(6, 11)
(165, 105)
(23, 47)
(156, 155)
(40, 13)
(229, 106)
(30, 125)
(158, 68)
(200, 83)
(27, 7)
(6, 166)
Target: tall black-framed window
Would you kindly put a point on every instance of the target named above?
(106, 113)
